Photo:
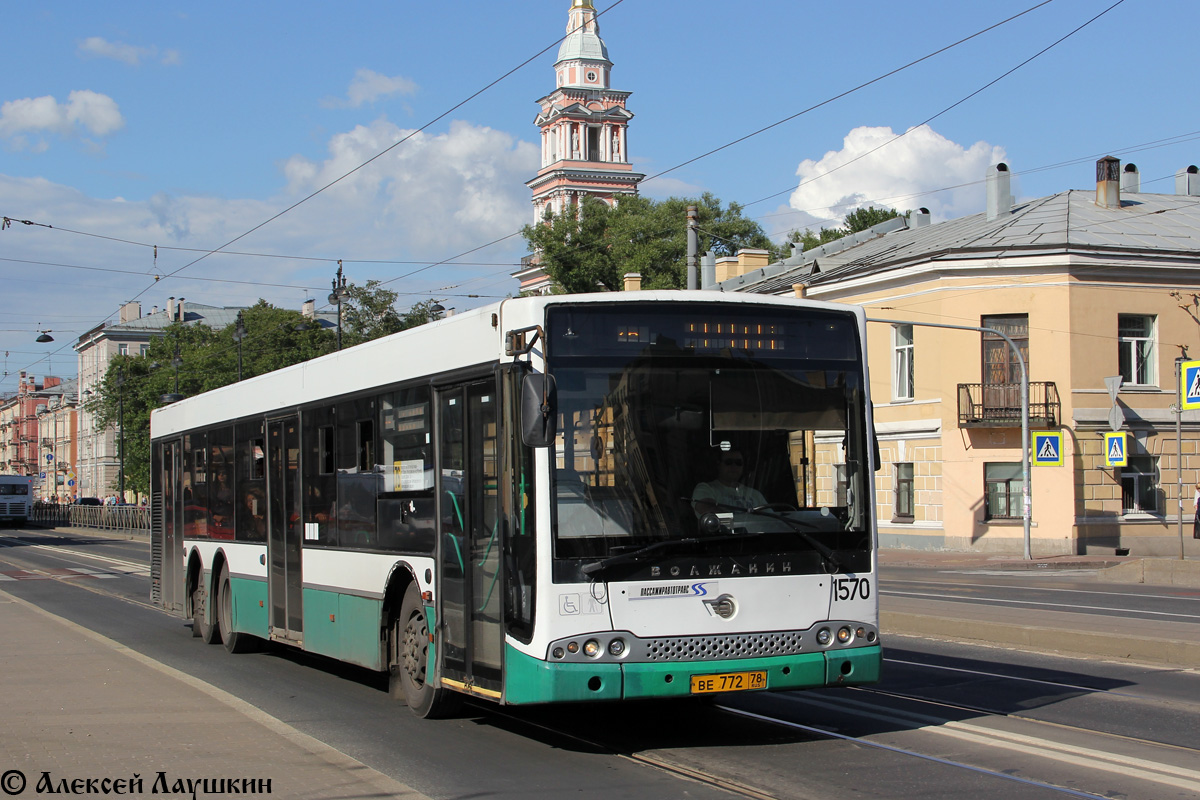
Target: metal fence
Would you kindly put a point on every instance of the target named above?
(113, 518)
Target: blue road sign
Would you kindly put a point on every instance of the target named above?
(1189, 385)
(1115, 452)
(1048, 448)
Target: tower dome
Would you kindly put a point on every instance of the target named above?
(583, 48)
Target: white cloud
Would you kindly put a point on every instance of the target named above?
(368, 86)
(96, 47)
(85, 110)
(871, 168)
(436, 194)
(430, 198)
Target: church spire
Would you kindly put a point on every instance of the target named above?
(583, 56)
(584, 125)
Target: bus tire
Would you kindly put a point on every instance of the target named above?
(201, 620)
(411, 672)
(235, 642)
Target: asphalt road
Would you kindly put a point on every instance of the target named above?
(949, 719)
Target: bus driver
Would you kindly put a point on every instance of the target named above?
(727, 491)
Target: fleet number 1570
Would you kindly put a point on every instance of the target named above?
(851, 588)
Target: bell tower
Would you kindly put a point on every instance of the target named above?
(583, 123)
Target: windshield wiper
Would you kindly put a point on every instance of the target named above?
(827, 555)
(634, 555)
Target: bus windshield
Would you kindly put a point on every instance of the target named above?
(695, 430)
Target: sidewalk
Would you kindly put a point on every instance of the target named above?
(1175, 643)
(87, 710)
(1112, 569)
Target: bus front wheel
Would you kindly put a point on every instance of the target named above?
(410, 676)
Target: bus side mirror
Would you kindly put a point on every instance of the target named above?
(538, 412)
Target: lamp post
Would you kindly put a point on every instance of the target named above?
(174, 397)
(335, 298)
(239, 333)
(121, 430)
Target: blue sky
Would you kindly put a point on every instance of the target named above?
(184, 126)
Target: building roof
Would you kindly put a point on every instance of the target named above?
(214, 317)
(1146, 225)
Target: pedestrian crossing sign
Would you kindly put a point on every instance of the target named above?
(1189, 385)
(1048, 448)
(1115, 454)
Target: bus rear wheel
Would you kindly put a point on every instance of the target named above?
(201, 620)
(234, 642)
(409, 677)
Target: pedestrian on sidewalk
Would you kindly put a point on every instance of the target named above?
(1196, 521)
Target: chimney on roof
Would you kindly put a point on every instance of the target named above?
(1131, 179)
(1108, 182)
(171, 308)
(1187, 181)
(179, 310)
(708, 270)
(309, 309)
(919, 218)
(999, 194)
(130, 311)
(633, 281)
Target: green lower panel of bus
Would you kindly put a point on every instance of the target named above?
(530, 680)
(249, 605)
(343, 626)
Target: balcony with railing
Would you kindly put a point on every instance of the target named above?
(998, 405)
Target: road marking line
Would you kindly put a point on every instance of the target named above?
(1153, 771)
(1033, 603)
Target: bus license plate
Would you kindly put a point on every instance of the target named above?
(729, 682)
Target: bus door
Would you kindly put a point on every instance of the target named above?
(284, 530)
(166, 545)
(469, 548)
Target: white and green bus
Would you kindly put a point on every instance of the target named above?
(511, 502)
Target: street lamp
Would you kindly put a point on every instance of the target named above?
(43, 337)
(335, 298)
(174, 397)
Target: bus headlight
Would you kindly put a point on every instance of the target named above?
(824, 637)
(616, 648)
(844, 635)
(591, 648)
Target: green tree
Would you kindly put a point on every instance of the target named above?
(857, 220)
(862, 218)
(369, 312)
(591, 247)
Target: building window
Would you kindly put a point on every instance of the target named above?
(902, 362)
(1135, 349)
(1139, 488)
(904, 492)
(122, 349)
(999, 362)
(1002, 484)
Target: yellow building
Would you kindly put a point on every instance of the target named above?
(1090, 286)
